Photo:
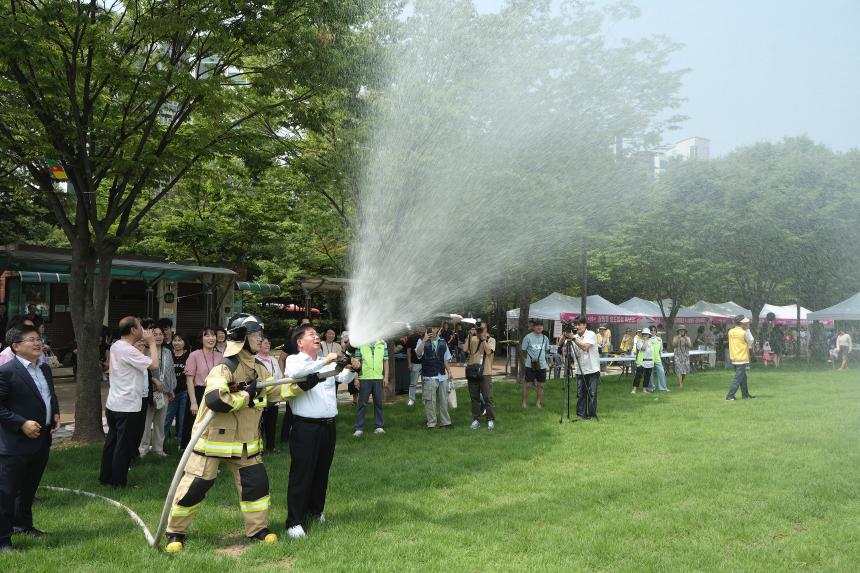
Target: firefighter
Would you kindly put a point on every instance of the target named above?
(233, 437)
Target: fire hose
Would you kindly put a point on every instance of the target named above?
(189, 449)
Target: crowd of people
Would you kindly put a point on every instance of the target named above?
(161, 389)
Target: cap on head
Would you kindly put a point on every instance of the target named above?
(238, 328)
(741, 319)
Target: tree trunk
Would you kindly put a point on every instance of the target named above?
(583, 261)
(88, 292)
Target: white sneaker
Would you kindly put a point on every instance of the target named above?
(357, 434)
(491, 424)
(410, 403)
(378, 431)
(296, 532)
(475, 425)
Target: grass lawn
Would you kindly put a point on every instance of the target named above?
(677, 482)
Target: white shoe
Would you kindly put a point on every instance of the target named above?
(410, 403)
(491, 425)
(296, 532)
(378, 431)
(475, 425)
(357, 434)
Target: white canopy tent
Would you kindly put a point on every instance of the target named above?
(722, 312)
(848, 309)
(558, 306)
(652, 310)
(784, 314)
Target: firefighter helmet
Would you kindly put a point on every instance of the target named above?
(238, 328)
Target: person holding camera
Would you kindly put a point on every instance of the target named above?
(534, 348)
(583, 343)
(436, 375)
(480, 349)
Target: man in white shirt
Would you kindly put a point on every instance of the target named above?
(312, 437)
(128, 382)
(844, 346)
(587, 369)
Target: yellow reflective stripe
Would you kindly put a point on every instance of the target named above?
(261, 504)
(233, 448)
(181, 511)
(216, 384)
(255, 447)
(290, 390)
(238, 401)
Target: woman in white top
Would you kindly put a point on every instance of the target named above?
(164, 383)
(328, 345)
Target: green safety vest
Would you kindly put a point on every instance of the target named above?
(372, 359)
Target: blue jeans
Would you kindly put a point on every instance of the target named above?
(740, 380)
(176, 409)
(660, 374)
(414, 375)
(367, 388)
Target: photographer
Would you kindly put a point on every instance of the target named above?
(583, 342)
(436, 375)
(480, 349)
(534, 349)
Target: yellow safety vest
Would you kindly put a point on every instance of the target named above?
(739, 351)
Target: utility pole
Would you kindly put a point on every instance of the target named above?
(584, 263)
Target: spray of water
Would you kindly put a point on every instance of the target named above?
(494, 140)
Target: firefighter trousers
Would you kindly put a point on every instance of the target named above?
(252, 484)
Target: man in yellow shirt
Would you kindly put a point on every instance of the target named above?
(740, 342)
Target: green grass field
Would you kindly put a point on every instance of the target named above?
(686, 482)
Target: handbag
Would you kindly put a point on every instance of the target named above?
(52, 360)
(158, 400)
(452, 395)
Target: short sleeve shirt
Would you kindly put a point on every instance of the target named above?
(128, 377)
(200, 364)
(536, 347)
(589, 360)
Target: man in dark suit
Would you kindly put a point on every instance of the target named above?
(29, 414)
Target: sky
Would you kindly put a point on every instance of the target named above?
(760, 70)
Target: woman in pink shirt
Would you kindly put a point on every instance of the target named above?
(197, 368)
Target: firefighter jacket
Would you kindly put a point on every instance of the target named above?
(235, 429)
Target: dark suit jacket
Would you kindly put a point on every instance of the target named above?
(20, 401)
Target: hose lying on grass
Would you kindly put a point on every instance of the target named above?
(151, 539)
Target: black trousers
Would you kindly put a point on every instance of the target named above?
(477, 389)
(121, 442)
(269, 426)
(189, 418)
(288, 423)
(138, 428)
(19, 478)
(641, 372)
(586, 394)
(312, 451)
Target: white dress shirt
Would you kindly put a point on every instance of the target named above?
(321, 400)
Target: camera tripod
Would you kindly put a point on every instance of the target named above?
(565, 390)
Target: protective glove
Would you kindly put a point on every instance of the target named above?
(309, 382)
(252, 391)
